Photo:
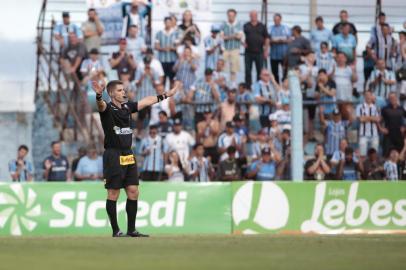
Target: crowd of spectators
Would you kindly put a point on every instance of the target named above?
(219, 128)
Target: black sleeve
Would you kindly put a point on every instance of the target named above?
(335, 28)
(133, 106)
(265, 32)
(108, 107)
(332, 84)
(354, 29)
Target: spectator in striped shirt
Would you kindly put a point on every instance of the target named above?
(214, 47)
(204, 91)
(153, 149)
(185, 68)
(369, 118)
(335, 131)
(327, 93)
(91, 66)
(324, 58)
(233, 36)
(165, 43)
(229, 138)
(382, 44)
(62, 30)
(320, 34)
(381, 82)
(220, 77)
(244, 97)
(280, 36)
(264, 91)
(391, 166)
(200, 169)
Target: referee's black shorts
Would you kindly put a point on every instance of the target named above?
(119, 169)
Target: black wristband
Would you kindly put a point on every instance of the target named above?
(99, 97)
(161, 97)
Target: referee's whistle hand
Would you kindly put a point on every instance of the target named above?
(97, 87)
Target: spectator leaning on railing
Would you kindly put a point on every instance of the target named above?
(62, 30)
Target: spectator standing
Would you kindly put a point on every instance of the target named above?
(369, 118)
(91, 66)
(348, 168)
(204, 91)
(265, 168)
(324, 58)
(214, 47)
(256, 46)
(264, 92)
(62, 30)
(56, 166)
(165, 44)
(402, 162)
(383, 45)
(185, 68)
(180, 141)
(381, 82)
(135, 16)
(208, 131)
(229, 138)
(280, 36)
(163, 125)
(326, 89)
(229, 169)
(317, 168)
(233, 36)
(90, 166)
(393, 116)
(391, 166)
(200, 166)
(21, 169)
(123, 62)
(146, 80)
(155, 64)
(244, 98)
(335, 130)
(320, 34)
(228, 108)
(299, 47)
(344, 20)
(136, 45)
(188, 29)
(92, 30)
(174, 169)
(345, 42)
(152, 149)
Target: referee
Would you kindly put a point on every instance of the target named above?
(119, 164)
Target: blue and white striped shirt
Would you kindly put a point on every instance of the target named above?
(391, 170)
(229, 30)
(186, 74)
(335, 132)
(64, 30)
(209, 44)
(244, 97)
(167, 39)
(154, 161)
(261, 89)
(225, 141)
(381, 89)
(203, 167)
(203, 94)
(325, 61)
(278, 51)
(146, 88)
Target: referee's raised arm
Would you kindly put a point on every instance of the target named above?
(150, 100)
(101, 104)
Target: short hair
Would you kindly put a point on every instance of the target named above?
(322, 70)
(231, 150)
(319, 18)
(133, 26)
(91, 9)
(277, 15)
(403, 33)
(323, 43)
(371, 151)
(112, 85)
(297, 28)
(54, 142)
(243, 85)
(344, 11)
(167, 18)
(341, 53)
(197, 145)
(344, 24)
(163, 113)
(385, 24)
(349, 151)
(23, 146)
(382, 14)
(232, 10)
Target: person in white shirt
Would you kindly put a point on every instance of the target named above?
(229, 138)
(91, 66)
(391, 166)
(155, 64)
(174, 169)
(180, 141)
(369, 118)
(200, 168)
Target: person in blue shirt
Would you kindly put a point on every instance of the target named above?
(90, 166)
(21, 170)
(320, 34)
(345, 42)
(280, 36)
(265, 168)
(62, 30)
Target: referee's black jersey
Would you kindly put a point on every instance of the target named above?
(116, 125)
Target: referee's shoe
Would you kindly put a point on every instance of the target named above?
(136, 234)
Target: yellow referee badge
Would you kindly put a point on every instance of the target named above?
(127, 160)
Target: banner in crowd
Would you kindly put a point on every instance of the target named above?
(201, 9)
(322, 208)
(79, 208)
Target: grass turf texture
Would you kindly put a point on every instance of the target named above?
(205, 252)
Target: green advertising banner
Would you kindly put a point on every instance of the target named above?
(322, 208)
(79, 208)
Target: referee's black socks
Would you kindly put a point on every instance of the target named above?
(131, 209)
(111, 208)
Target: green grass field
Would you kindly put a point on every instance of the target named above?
(206, 252)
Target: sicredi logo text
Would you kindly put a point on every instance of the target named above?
(335, 215)
(74, 209)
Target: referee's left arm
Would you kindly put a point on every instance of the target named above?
(150, 100)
